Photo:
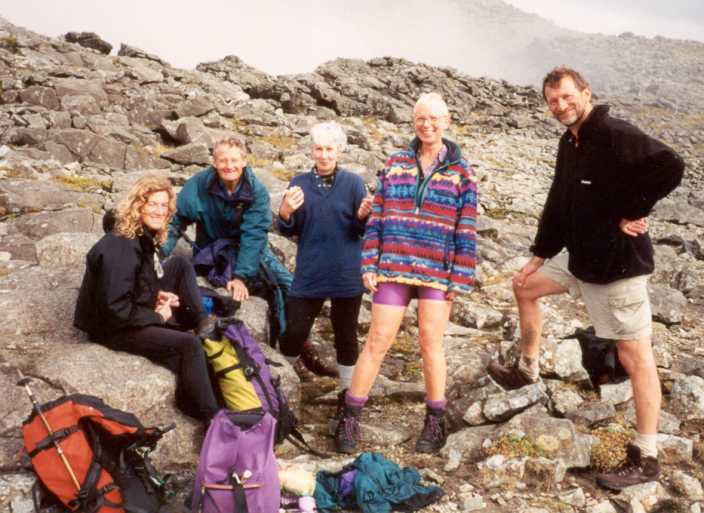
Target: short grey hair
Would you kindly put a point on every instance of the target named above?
(230, 142)
(329, 133)
(434, 99)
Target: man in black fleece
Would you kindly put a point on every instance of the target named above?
(608, 177)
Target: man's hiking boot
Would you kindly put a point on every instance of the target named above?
(347, 430)
(635, 470)
(315, 363)
(434, 433)
(302, 371)
(509, 378)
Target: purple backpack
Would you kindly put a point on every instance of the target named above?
(255, 367)
(237, 472)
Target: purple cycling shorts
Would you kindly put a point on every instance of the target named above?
(399, 294)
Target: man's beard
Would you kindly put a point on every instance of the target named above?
(572, 119)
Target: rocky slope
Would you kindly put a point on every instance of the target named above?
(78, 126)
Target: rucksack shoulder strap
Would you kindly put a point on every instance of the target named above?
(49, 440)
(297, 440)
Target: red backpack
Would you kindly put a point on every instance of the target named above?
(103, 451)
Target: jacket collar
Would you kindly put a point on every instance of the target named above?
(146, 241)
(243, 193)
(591, 124)
(453, 151)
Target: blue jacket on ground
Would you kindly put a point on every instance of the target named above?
(328, 262)
(244, 217)
(378, 485)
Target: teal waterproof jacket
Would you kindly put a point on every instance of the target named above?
(373, 484)
(243, 217)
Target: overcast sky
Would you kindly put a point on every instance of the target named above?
(297, 36)
(682, 19)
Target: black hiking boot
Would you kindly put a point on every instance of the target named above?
(434, 434)
(509, 378)
(635, 470)
(347, 430)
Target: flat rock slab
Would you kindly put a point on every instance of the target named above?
(499, 408)
(39, 302)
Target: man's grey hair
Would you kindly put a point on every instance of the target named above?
(230, 142)
(435, 100)
(329, 133)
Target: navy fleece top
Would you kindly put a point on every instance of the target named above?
(328, 263)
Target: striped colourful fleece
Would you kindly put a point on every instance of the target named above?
(423, 232)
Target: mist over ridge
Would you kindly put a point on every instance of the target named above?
(491, 38)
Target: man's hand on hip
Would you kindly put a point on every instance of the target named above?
(533, 265)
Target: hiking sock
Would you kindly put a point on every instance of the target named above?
(648, 445)
(355, 402)
(345, 375)
(529, 367)
(438, 405)
(291, 359)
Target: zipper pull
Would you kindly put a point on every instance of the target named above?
(417, 210)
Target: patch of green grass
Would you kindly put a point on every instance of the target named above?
(240, 127)
(255, 161)
(494, 162)
(9, 172)
(370, 123)
(463, 129)
(512, 446)
(283, 174)
(159, 149)
(10, 43)
(610, 450)
(412, 370)
(82, 184)
(405, 343)
(280, 142)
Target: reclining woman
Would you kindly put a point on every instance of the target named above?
(420, 242)
(327, 209)
(128, 301)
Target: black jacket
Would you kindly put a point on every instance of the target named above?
(615, 172)
(119, 288)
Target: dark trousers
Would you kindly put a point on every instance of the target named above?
(300, 315)
(176, 350)
(181, 353)
(180, 278)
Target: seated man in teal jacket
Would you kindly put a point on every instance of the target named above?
(231, 209)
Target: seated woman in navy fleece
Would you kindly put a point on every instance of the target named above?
(327, 209)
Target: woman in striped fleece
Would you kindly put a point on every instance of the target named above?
(420, 242)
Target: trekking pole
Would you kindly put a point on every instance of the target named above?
(24, 382)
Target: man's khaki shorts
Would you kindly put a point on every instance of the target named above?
(619, 310)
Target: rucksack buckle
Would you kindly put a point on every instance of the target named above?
(250, 371)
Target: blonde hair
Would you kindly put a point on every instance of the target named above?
(129, 211)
